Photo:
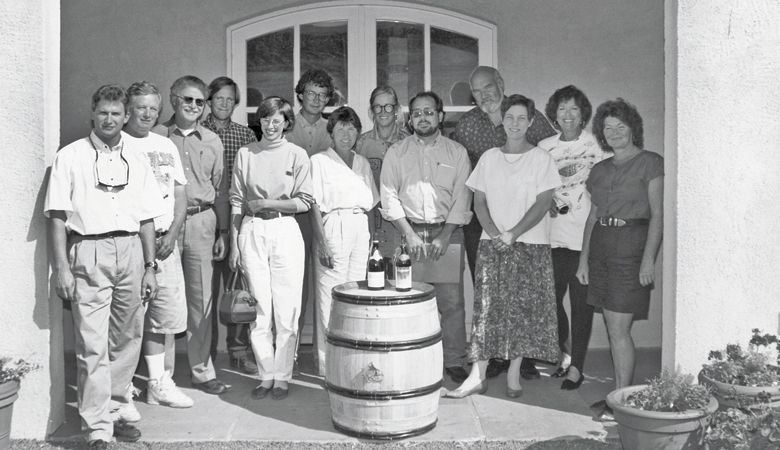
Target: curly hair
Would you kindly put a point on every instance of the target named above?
(563, 94)
(109, 93)
(344, 114)
(518, 100)
(273, 105)
(623, 111)
(317, 77)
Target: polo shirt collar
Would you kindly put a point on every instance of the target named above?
(102, 146)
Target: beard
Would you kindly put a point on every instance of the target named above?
(490, 106)
(427, 132)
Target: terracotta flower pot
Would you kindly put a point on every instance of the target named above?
(645, 430)
(8, 394)
(735, 396)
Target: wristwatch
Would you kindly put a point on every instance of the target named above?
(151, 264)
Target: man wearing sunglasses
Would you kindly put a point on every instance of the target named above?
(314, 90)
(424, 194)
(101, 196)
(203, 238)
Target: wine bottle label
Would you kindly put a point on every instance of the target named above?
(403, 277)
(376, 280)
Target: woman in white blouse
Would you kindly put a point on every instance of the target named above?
(344, 189)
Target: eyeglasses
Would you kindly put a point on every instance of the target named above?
(322, 96)
(266, 122)
(189, 100)
(390, 107)
(417, 113)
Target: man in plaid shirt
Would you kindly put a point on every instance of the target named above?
(222, 100)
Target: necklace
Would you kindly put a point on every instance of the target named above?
(514, 158)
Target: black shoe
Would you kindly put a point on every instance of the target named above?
(569, 385)
(124, 432)
(242, 361)
(528, 370)
(213, 386)
(98, 444)
(457, 374)
(603, 412)
(279, 393)
(260, 392)
(496, 366)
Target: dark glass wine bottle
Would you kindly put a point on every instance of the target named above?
(403, 270)
(376, 268)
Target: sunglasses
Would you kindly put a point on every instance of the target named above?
(190, 100)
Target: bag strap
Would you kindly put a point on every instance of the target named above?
(232, 280)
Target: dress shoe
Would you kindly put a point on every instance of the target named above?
(514, 393)
(496, 366)
(457, 374)
(124, 432)
(569, 385)
(213, 386)
(98, 444)
(528, 370)
(241, 360)
(560, 372)
(603, 412)
(278, 393)
(480, 388)
(260, 392)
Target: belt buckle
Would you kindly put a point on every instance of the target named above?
(357, 211)
(604, 221)
(619, 222)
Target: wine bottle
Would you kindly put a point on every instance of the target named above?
(403, 270)
(376, 268)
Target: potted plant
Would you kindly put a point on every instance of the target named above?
(744, 429)
(741, 378)
(670, 412)
(11, 372)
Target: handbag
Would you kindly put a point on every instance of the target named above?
(237, 305)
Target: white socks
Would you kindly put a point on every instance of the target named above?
(156, 365)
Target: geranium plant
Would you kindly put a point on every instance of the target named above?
(11, 370)
(670, 392)
(756, 366)
(744, 429)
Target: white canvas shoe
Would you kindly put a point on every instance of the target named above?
(125, 411)
(165, 392)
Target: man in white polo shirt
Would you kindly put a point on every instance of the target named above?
(101, 196)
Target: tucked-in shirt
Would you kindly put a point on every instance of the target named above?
(477, 133)
(338, 186)
(574, 160)
(163, 157)
(511, 183)
(620, 190)
(202, 157)
(374, 148)
(94, 209)
(278, 171)
(313, 138)
(426, 183)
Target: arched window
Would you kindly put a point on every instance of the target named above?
(408, 46)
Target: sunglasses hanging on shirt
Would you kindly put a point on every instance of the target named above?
(110, 171)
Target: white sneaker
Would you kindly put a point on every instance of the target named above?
(126, 411)
(164, 392)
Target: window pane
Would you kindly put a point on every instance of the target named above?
(324, 46)
(269, 68)
(400, 59)
(453, 57)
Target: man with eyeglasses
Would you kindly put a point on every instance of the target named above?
(423, 191)
(223, 98)
(203, 239)
(314, 90)
(102, 196)
(479, 130)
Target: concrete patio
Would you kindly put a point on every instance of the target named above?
(543, 413)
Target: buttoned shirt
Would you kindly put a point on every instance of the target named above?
(338, 186)
(312, 137)
(233, 137)
(201, 154)
(163, 157)
(477, 133)
(94, 209)
(426, 182)
(374, 148)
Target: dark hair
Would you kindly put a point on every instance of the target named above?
(273, 105)
(344, 114)
(221, 82)
(317, 77)
(430, 94)
(191, 81)
(521, 100)
(563, 94)
(110, 93)
(623, 111)
(379, 90)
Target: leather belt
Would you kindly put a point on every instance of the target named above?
(198, 209)
(268, 215)
(110, 234)
(346, 211)
(426, 225)
(159, 234)
(617, 222)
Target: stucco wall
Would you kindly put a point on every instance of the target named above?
(609, 48)
(728, 177)
(29, 125)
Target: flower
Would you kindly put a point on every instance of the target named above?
(670, 392)
(758, 366)
(15, 370)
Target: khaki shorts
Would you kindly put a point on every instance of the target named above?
(167, 313)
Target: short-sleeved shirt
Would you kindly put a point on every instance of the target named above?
(477, 133)
(94, 209)
(338, 186)
(276, 171)
(511, 183)
(574, 159)
(166, 165)
(312, 137)
(620, 190)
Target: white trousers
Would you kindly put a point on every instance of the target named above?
(348, 238)
(272, 259)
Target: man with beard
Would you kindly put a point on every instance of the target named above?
(424, 194)
(481, 129)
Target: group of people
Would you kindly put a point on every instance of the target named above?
(147, 221)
